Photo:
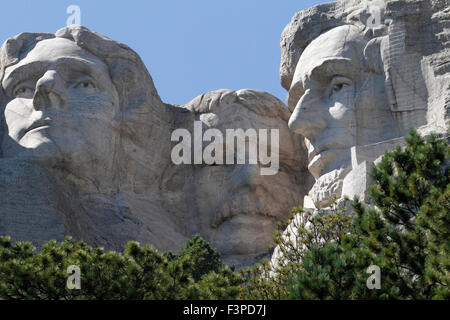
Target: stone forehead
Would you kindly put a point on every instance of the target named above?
(308, 24)
(344, 41)
(55, 47)
(108, 51)
(50, 50)
(340, 42)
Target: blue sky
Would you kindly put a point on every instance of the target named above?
(189, 46)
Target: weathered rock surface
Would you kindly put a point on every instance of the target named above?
(364, 72)
(87, 149)
(359, 75)
(87, 142)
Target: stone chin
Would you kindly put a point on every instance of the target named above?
(34, 145)
(52, 146)
(328, 161)
(327, 187)
(46, 153)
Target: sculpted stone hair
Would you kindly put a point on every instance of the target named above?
(128, 73)
(308, 24)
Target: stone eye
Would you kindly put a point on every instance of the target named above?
(338, 83)
(25, 92)
(85, 84)
(338, 87)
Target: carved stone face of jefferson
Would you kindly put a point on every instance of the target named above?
(61, 102)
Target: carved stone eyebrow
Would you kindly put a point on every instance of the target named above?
(21, 73)
(330, 67)
(323, 72)
(70, 67)
(74, 64)
(65, 66)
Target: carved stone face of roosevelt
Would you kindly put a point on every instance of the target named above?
(61, 102)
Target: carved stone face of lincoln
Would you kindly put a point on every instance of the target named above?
(61, 102)
(327, 77)
(340, 102)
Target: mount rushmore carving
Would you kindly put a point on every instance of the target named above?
(86, 140)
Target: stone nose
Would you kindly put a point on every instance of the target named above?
(308, 117)
(49, 92)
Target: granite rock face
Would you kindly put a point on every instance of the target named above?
(87, 145)
(359, 75)
(87, 152)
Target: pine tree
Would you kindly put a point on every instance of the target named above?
(406, 235)
(412, 193)
(205, 259)
(139, 273)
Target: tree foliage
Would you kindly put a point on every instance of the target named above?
(406, 235)
(196, 272)
(303, 232)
